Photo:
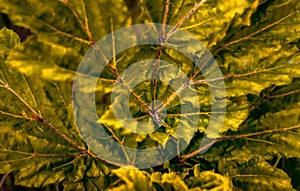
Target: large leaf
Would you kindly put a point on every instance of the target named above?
(257, 175)
(210, 19)
(207, 180)
(39, 141)
(64, 32)
(255, 44)
(269, 137)
(7, 41)
(133, 180)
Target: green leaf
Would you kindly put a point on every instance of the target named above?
(252, 56)
(257, 175)
(64, 30)
(8, 40)
(90, 174)
(38, 151)
(209, 22)
(274, 133)
(134, 179)
(208, 180)
(255, 44)
(169, 181)
(283, 142)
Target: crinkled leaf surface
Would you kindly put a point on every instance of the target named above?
(257, 175)
(254, 42)
(207, 180)
(39, 151)
(133, 179)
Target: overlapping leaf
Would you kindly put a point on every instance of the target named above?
(64, 31)
(39, 141)
(256, 175)
(133, 179)
(255, 43)
(271, 134)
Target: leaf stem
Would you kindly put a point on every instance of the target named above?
(117, 75)
(163, 39)
(40, 118)
(165, 18)
(39, 154)
(6, 86)
(260, 133)
(83, 26)
(252, 34)
(158, 56)
(205, 147)
(176, 27)
(206, 81)
(67, 34)
(14, 115)
(216, 50)
(3, 178)
(120, 143)
(262, 99)
(30, 90)
(284, 94)
(243, 136)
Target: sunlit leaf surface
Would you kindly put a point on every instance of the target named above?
(255, 44)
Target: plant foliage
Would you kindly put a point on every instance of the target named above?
(256, 44)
